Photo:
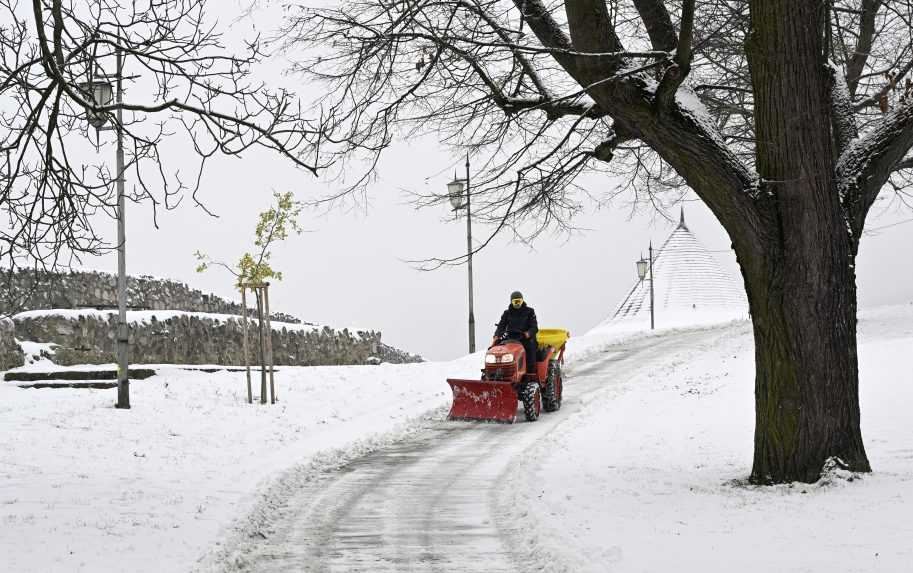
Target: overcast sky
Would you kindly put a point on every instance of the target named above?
(350, 269)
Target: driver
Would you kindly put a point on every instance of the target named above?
(519, 320)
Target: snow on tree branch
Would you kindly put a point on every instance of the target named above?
(869, 161)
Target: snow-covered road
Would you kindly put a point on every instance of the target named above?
(434, 501)
(643, 469)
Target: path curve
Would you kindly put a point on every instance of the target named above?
(429, 502)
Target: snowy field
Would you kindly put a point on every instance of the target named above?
(651, 476)
(87, 487)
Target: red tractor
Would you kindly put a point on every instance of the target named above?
(509, 376)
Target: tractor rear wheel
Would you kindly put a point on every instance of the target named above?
(532, 401)
(551, 397)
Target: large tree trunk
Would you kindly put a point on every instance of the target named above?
(806, 387)
(800, 277)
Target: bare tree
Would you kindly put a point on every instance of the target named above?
(53, 185)
(786, 117)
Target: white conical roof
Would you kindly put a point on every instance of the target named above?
(690, 286)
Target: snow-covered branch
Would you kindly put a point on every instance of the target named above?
(864, 168)
(843, 117)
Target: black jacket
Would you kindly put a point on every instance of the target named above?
(521, 319)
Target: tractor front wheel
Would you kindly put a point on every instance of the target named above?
(532, 401)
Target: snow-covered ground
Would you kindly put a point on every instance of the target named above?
(647, 477)
(651, 475)
(87, 487)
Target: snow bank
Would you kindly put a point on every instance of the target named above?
(87, 487)
(581, 348)
(651, 477)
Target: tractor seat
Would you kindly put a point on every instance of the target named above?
(541, 353)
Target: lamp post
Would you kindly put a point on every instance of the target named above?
(643, 267)
(455, 192)
(101, 92)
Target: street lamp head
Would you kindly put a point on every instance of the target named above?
(101, 92)
(455, 192)
(642, 266)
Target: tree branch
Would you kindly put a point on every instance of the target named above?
(605, 151)
(843, 118)
(873, 100)
(684, 137)
(856, 65)
(906, 163)
(553, 109)
(676, 73)
(865, 166)
(593, 31)
(659, 24)
(51, 190)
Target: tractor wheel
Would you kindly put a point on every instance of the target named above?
(551, 398)
(532, 401)
(559, 383)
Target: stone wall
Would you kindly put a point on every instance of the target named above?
(393, 355)
(31, 290)
(10, 353)
(63, 308)
(88, 338)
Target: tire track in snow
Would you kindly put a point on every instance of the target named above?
(435, 501)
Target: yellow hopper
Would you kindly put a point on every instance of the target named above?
(554, 337)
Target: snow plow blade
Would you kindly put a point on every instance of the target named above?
(481, 400)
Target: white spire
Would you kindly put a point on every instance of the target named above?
(688, 282)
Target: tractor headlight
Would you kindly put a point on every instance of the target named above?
(506, 358)
(491, 359)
